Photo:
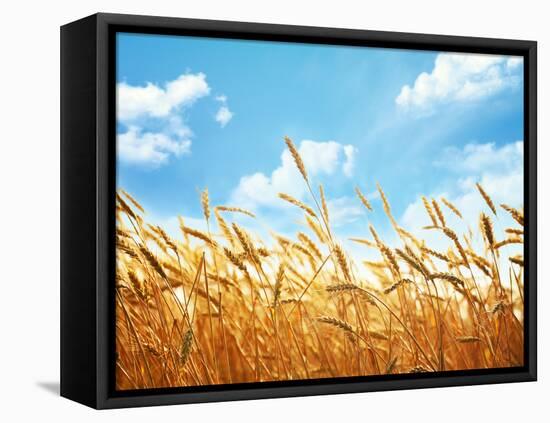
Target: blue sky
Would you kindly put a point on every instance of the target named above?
(199, 112)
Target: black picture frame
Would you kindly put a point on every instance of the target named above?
(88, 222)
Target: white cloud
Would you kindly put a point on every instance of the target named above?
(223, 116)
(476, 158)
(153, 101)
(152, 149)
(320, 158)
(254, 190)
(350, 152)
(140, 108)
(175, 126)
(460, 77)
(514, 62)
(344, 210)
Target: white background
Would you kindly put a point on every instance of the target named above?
(29, 210)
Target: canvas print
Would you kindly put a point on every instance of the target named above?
(290, 211)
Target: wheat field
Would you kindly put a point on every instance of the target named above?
(222, 305)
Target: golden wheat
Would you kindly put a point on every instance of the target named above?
(451, 207)
(235, 209)
(297, 203)
(192, 314)
(297, 158)
(363, 199)
(486, 198)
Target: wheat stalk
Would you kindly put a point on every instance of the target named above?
(235, 210)
(186, 345)
(363, 199)
(297, 203)
(324, 204)
(429, 210)
(396, 285)
(486, 227)
(342, 287)
(513, 231)
(342, 262)
(516, 214)
(236, 260)
(438, 212)
(152, 260)
(310, 245)
(385, 202)
(125, 207)
(452, 235)
(297, 158)
(451, 207)
(364, 241)
(195, 233)
(132, 200)
(507, 241)
(435, 254)
(224, 227)
(317, 230)
(487, 198)
(345, 326)
(456, 281)
(205, 202)
(412, 260)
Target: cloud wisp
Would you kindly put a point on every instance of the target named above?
(461, 78)
(223, 115)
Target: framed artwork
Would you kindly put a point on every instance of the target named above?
(256, 211)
